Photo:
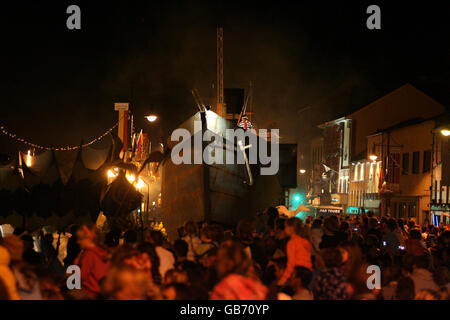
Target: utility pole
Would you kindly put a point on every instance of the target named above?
(220, 103)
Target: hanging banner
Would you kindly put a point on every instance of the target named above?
(122, 107)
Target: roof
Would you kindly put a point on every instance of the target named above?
(403, 124)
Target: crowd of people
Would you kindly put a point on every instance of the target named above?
(269, 257)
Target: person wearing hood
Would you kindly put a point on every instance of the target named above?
(92, 260)
(7, 276)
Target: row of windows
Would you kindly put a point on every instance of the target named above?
(403, 209)
(343, 185)
(415, 168)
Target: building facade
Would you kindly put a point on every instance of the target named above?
(440, 173)
(405, 176)
(379, 157)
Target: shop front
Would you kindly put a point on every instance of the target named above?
(323, 211)
(440, 215)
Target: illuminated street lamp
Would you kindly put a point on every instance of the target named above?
(131, 178)
(28, 158)
(373, 157)
(445, 132)
(140, 184)
(111, 174)
(302, 171)
(151, 118)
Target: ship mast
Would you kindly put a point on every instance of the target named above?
(220, 103)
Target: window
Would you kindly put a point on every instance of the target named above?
(415, 164)
(402, 210)
(394, 168)
(411, 210)
(358, 174)
(426, 161)
(405, 163)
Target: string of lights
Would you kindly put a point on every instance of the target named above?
(4, 131)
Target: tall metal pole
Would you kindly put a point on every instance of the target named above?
(220, 103)
(433, 146)
(206, 184)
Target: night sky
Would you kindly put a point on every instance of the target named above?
(58, 86)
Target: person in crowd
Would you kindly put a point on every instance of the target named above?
(411, 225)
(92, 260)
(244, 234)
(128, 283)
(280, 235)
(421, 274)
(344, 231)
(316, 235)
(166, 258)
(26, 279)
(374, 229)
(30, 256)
(51, 287)
(428, 294)
(73, 248)
(330, 238)
(149, 249)
(298, 249)
(130, 237)
(352, 259)
(207, 243)
(7, 278)
(177, 291)
(272, 273)
(217, 234)
(404, 289)
(391, 239)
(403, 227)
(301, 279)
(175, 276)
(330, 282)
(49, 254)
(232, 267)
(112, 239)
(4, 294)
(415, 245)
(192, 239)
(181, 249)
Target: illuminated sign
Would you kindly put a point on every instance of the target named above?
(329, 210)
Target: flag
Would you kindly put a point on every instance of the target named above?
(133, 143)
(380, 182)
(139, 142)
